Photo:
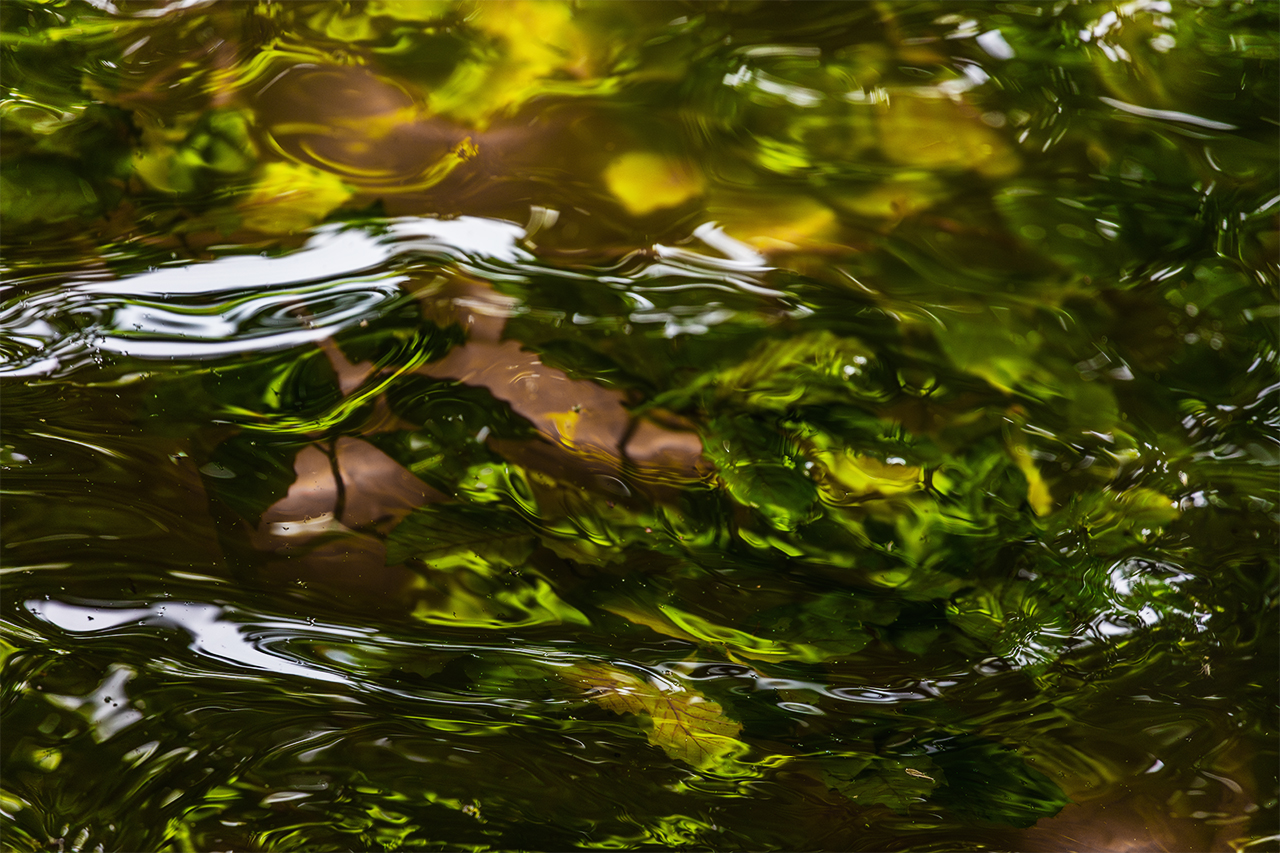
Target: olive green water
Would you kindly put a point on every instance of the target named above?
(539, 427)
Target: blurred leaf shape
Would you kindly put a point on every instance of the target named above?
(987, 781)
(783, 223)
(934, 133)
(477, 573)
(466, 598)
(532, 48)
(290, 197)
(643, 182)
(859, 476)
(815, 367)
(452, 535)
(44, 191)
(1038, 494)
(760, 467)
(815, 631)
(219, 145)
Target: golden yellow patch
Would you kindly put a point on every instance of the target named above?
(643, 182)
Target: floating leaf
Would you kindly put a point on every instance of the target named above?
(684, 724)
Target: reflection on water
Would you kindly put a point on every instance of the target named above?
(543, 426)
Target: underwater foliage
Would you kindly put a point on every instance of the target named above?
(557, 425)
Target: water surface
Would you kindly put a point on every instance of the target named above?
(716, 426)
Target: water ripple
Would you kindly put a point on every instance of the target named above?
(234, 304)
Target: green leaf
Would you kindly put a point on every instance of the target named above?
(991, 782)
(760, 467)
(672, 621)
(811, 631)
(815, 367)
(477, 572)
(451, 535)
(34, 191)
(827, 626)
(469, 598)
(899, 783)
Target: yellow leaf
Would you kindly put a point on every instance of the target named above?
(673, 622)
(1038, 494)
(540, 36)
(290, 197)
(686, 725)
(422, 11)
(330, 21)
(535, 48)
(566, 424)
(643, 182)
(160, 168)
(865, 475)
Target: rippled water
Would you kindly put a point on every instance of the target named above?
(547, 426)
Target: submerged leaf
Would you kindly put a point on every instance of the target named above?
(991, 782)
(757, 470)
(685, 724)
(468, 598)
(899, 783)
(811, 632)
